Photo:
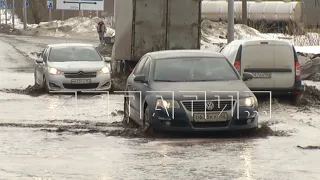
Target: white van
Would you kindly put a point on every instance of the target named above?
(274, 64)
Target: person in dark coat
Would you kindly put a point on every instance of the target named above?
(101, 29)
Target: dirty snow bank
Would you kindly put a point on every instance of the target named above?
(311, 69)
(83, 27)
(214, 34)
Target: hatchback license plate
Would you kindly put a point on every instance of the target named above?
(262, 75)
(80, 81)
(211, 117)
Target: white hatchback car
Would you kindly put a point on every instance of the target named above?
(72, 67)
(274, 64)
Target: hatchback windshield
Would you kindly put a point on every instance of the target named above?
(194, 69)
(74, 53)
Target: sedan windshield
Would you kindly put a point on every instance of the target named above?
(74, 53)
(194, 69)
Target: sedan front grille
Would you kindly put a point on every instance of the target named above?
(81, 86)
(81, 74)
(200, 106)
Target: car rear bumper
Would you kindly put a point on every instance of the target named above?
(101, 82)
(183, 123)
(279, 91)
(298, 88)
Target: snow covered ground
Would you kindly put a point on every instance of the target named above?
(83, 27)
(308, 49)
(214, 34)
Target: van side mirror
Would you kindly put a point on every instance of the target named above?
(140, 78)
(247, 76)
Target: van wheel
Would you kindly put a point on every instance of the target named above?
(296, 100)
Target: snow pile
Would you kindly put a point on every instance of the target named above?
(17, 22)
(83, 27)
(215, 34)
(311, 70)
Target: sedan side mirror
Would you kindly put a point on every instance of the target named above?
(39, 61)
(247, 76)
(140, 78)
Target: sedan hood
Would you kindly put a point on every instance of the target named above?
(75, 66)
(223, 88)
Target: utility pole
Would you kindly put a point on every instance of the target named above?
(244, 12)
(62, 15)
(6, 12)
(13, 12)
(25, 14)
(230, 34)
(80, 9)
(50, 15)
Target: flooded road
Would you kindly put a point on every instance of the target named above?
(59, 137)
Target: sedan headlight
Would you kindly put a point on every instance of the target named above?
(167, 104)
(54, 71)
(104, 70)
(249, 101)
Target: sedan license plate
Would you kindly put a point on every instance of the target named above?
(80, 81)
(211, 117)
(262, 75)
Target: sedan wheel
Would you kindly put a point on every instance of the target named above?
(147, 124)
(126, 117)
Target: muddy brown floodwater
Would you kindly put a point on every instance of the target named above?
(55, 136)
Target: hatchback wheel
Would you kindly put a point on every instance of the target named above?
(45, 85)
(35, 80)
(126, 115)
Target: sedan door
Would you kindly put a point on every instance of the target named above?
(133, 93)
(142, 88)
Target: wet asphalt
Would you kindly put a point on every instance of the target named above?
(58, 137)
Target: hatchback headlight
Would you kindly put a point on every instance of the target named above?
(167, 104)
(54, 71)
(104, 70)
(249, 101)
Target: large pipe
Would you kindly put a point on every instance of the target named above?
(270, 11)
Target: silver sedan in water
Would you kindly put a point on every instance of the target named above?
(72, 67)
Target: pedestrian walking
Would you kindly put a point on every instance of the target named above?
(101, 29)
